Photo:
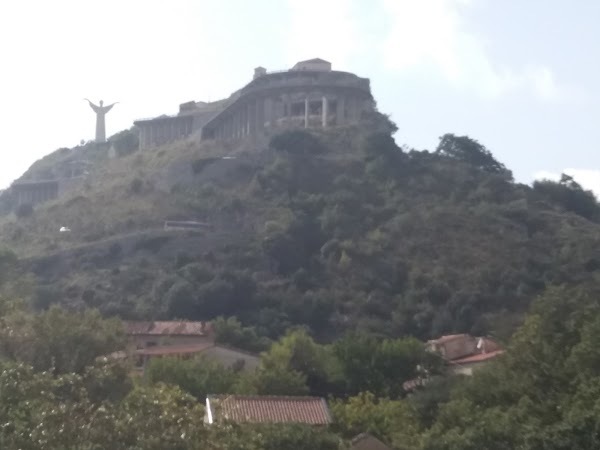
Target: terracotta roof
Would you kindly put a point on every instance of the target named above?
(365, 441)
(488, 346)
(168, 328)
(447, 338)
(183, 349)
(268, 409)
(166, 350)
(480, 357)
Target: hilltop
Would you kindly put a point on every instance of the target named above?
(335, 229)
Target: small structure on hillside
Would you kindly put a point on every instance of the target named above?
(153, 333)
(267, 409)
(366, 441)
(464, 353)
(34, 192)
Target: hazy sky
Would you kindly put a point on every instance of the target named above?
(520, 76)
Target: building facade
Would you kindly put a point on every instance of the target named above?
(34, 192)
(161, 333)
(309, 95)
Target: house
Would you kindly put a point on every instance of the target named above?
(157, 333)
(267, 409)
(365, 441)
(464, 353)
(226, 356)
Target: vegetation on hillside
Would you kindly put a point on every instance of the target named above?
(333, 254)
(334, 231)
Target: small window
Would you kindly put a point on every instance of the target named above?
(315, 107)
(298, 109)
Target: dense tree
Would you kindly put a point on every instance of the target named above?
(569, 194)
(59, 340)
(393, 421)
(541, 394)
(231, 331)
(381, 365)
(199, 377)
(296, 142)
(468, 150)
(298, 353)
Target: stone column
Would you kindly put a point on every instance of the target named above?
(306, 108)
(248, 111)
(352, 109)
(341, 110)
(243, 121)
(324, 111)
(287, 108)
(252, 120)
(268, 111)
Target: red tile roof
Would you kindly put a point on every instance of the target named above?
(268, 409)
(488, 346)
(447, 338)
(171, 350)
(183, 349)
(168, 328)
(366, 441)
(480, 357)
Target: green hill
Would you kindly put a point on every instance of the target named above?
(335, 230)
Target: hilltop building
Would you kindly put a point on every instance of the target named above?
(309, 95)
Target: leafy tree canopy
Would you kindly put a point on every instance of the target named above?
(468, 150)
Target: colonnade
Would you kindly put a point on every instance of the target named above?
(252, 116)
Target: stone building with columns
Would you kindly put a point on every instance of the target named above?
(34, 192)
(309, 95)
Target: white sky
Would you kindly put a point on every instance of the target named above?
(520, 77)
